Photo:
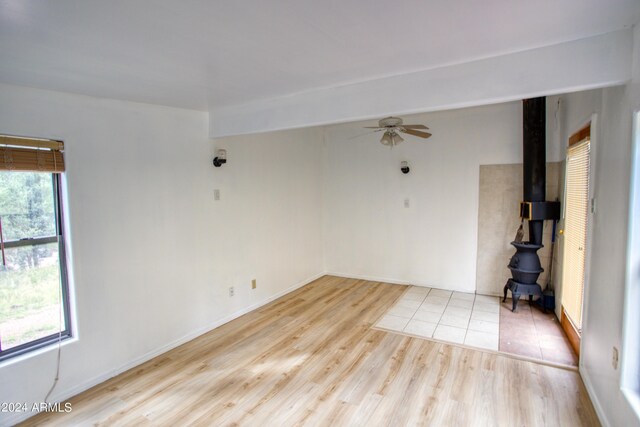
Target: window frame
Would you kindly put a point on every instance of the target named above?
(64, 278)
(630, 372)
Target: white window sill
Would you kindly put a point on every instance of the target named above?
(53, 347)
(633, 398)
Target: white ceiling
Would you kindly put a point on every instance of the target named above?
(210, 54)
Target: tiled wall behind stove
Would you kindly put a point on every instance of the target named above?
(499, 199)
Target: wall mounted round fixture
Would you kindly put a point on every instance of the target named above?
(220, 159)
(404, 167)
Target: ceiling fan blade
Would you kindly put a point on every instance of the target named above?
(372, 127)
(417, 133)
(366, 133)
(415, 127)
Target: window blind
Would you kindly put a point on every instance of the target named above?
(30, 154)
(575, 229)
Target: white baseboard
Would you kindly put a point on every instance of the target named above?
(593, 396)
(396, 281)
(15, 418)
(371, 278)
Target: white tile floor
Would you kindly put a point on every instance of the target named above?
(455, 317)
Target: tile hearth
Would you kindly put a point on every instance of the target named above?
(455, 317)
(479, 321)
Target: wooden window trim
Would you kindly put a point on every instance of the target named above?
(581, 135)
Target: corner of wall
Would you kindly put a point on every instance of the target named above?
(323, 195)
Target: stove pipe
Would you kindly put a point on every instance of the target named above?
(534, 159)
(525, 264)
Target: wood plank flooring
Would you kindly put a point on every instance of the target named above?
(311, 358)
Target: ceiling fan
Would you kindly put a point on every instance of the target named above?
(392, 126)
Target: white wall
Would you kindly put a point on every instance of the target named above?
(603, 313)
(152, 254)
(368, 232)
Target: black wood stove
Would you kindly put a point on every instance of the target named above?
(525, 268)
(525, 264)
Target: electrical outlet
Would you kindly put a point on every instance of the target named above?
(231, 291)
(216, 194)
(254, 284)
(614, 358)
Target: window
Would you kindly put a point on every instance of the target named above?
(630, 380)
(34, 295)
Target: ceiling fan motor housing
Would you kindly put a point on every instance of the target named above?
(390, 122)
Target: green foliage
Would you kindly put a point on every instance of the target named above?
(26, 205)
(30, 282)
(29, 303)
(24, 292)
(26, 211)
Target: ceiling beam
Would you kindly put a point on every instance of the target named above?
(588, 63)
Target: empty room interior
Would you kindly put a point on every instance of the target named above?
(352, 213)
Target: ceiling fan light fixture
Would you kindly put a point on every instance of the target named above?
(391, 139)
(386, 139)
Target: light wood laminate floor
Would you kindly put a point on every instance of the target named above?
(311, 358)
